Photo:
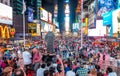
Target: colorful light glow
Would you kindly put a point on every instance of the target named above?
(67, 18)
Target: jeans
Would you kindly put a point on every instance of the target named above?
(36, 66)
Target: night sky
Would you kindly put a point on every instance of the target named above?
(48, 5)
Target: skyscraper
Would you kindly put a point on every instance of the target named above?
(67, 16)
(61, 13)
(17, 7)
(37, 5)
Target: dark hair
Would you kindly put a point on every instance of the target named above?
(59, 69)
(46, 72)
(19, 72)
(51, 70)
(43, 66)
(48, 64)
(109, 70)
(99, 74)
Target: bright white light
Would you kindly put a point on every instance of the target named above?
(67, 26)
(66, 14)
(67, 6)
(115, 20)
(67, 1)
(67, 19)
(100, 30)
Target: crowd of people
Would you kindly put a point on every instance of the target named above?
(68, 59)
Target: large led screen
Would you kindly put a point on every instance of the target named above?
(6, 16)
(100, 30)
(107, 18)
(30, 14)
(43, 14)
(91, 15)
(76, 27)
(104, 6)
(116, 20)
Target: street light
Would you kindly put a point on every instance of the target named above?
(81, 23)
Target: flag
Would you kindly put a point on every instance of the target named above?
(24, 7)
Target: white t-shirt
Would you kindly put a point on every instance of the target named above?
(27, 58)
(40, 72)
(70, 73)
(112, 74)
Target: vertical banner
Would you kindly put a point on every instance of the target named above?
(30, 14)
(86, 26)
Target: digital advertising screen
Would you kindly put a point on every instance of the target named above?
(30, 14)
(76, 27)
(91, 16)
(104, 6)
(107, 19)
(6, 16)
(100, 30)
(43, 14)
(116, 20)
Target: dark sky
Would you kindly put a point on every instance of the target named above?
(48, 5)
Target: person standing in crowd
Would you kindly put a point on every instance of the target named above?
(110, 72)
(27, 58)
(60, 67)
(70, 72)
(37, 58)
(40, 71)
(82, 71)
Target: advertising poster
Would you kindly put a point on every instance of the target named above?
(30, 14)
(107, 19)
(43, 14)
(116, 21)
(76, 27)
(6, 16)
(49, 17)
(32, 28)
(86, 26)
(100, 30)
(91, 14)
(104, 6)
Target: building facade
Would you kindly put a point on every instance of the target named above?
(6, 2)
(17, 7)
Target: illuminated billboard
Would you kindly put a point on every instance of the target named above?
(49, 17)
(30, 14)
(6, 16)
(76, 27)
(107, 18)
(104, 6)
(100, 30)
(91, 15)
(116, 21)
(43, 14)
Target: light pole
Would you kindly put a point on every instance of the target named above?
(81, 23)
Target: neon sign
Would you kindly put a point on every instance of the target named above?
(5, 33)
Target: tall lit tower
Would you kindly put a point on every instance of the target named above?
(67, 17)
